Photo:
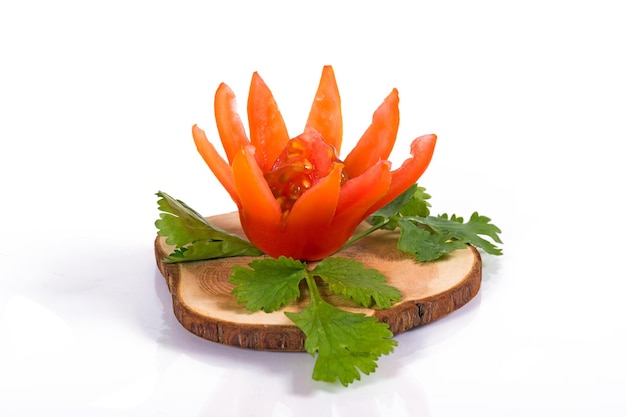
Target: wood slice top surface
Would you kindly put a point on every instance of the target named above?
(204, 305)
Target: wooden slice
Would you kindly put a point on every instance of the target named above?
(204, 305)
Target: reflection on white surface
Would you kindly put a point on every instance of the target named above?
(127, 396)
(247, 382)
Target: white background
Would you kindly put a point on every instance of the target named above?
(97, 100)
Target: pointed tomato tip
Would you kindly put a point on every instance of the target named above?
(424, 144)
(216, 163)
(325, 114)
(199, 138)
(268, 132)
(378, 140)
(196, 131)
(328, 70)
(394, 96)
(256, 82)
(223, 87)
(230, 128)
(256, 77)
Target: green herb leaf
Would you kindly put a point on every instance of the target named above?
(194, 237)
(418, 205)
(469, 232)
(351, 279)
(424, 245)
(412, 202)
(270, 284)
(345, 343)
(428, 237)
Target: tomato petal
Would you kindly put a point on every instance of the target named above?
(218, 165)
(379, 138)
(259, 211)
(359, 194)
(325, 115)
(229, 124)
(411, 170)
(307, 234)
(316, 207)
(268, 133)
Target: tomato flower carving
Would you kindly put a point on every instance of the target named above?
(295, 196)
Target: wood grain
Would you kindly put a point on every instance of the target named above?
(204, 305)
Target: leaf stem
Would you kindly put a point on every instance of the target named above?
(313, 290)
(361, 235)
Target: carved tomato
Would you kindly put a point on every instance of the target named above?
(295, 196)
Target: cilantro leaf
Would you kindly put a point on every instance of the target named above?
(424, 245)
(469, 232)
(412, 202)
(418, 205)
(269, 284)
(345, 342)
(428, 237)
(394, 207)
(351, 279)
(194, 237)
